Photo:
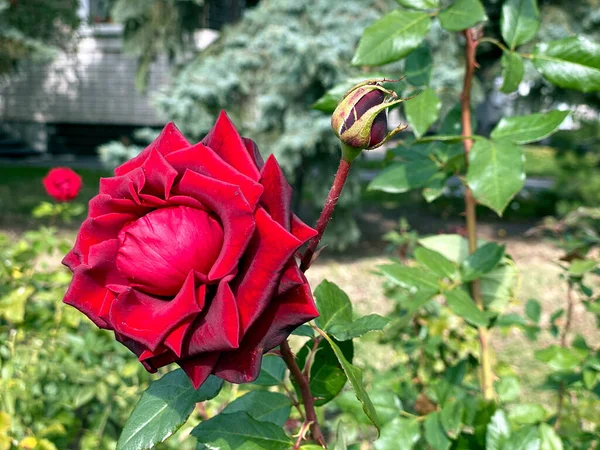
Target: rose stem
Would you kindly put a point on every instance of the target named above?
(307, 398)
(348, 156)
(563, 343)
(471, 36)
(332, 199)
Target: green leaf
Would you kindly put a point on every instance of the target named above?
(463, 305)
(422, 111)
(581, 266)
(498, 431)
(434, 433)
(411, 278)
(327, 377)
(453, 246)
(435, 187)
(333, 304)
(572, 63)
(340, 438)
(362, 325)
(451, 418)
(526, 438)
(419, 4)
(558, 358)
(399, 434)
(239, 431)
(391, 38)
(549, 438)
(336, 314)
(527, 413)
(436, 262)
(355, 376)
(462, 14)
(272, 371)
(12, 305)
(495, 173)
(163, 408)
(498, 287)
(403, 177)
(482, 261)
(304, 330)
(519, 21)
(508, 388)
(531, 128)
(533, 310)
(512, 72)
(262, 405)
(418, 66)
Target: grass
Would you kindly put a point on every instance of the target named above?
(21, 190)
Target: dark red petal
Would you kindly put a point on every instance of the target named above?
(254, 152)
(152, 361)
(302, 231)
(169, 140)
(217, 328)
(98, 229)
(369, 100)
(160, 175)
(277, 197)
(228, 144)
(148, 320)
(174, 341)
(87, 291)
(103, 204)
(292, 277)
(378, 129)
(282, 316)
(199, 368)
(234, 212)
(268, 253)
(158, 251)
(125, 186)
(203, 160)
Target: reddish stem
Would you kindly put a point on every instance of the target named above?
(332, 199)
(307, 398)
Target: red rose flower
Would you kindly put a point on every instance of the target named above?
(188, 254)
(62, 184)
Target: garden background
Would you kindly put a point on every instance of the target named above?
(87, 84)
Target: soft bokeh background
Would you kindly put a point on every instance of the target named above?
(88, 83)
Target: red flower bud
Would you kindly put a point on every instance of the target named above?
(360, 119)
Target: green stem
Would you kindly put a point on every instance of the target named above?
(470, 203)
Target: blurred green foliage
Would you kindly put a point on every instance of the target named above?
(31, 29)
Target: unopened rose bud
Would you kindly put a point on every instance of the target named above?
(360, 120)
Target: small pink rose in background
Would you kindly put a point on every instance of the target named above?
(62, 184)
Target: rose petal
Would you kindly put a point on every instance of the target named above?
(199, 368)
(160, 175)
(283, 316)
(291, 277)
(217, 328)
(169, 140)
(148, 320)
(228, 144)
(203, 160)
(98, 229)
(268, 253)
(158, 251)
(254, 153)
(87, 291)
(277, 197)
(103, 204)
(124, 187)
(302, 231)
(234, 212)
